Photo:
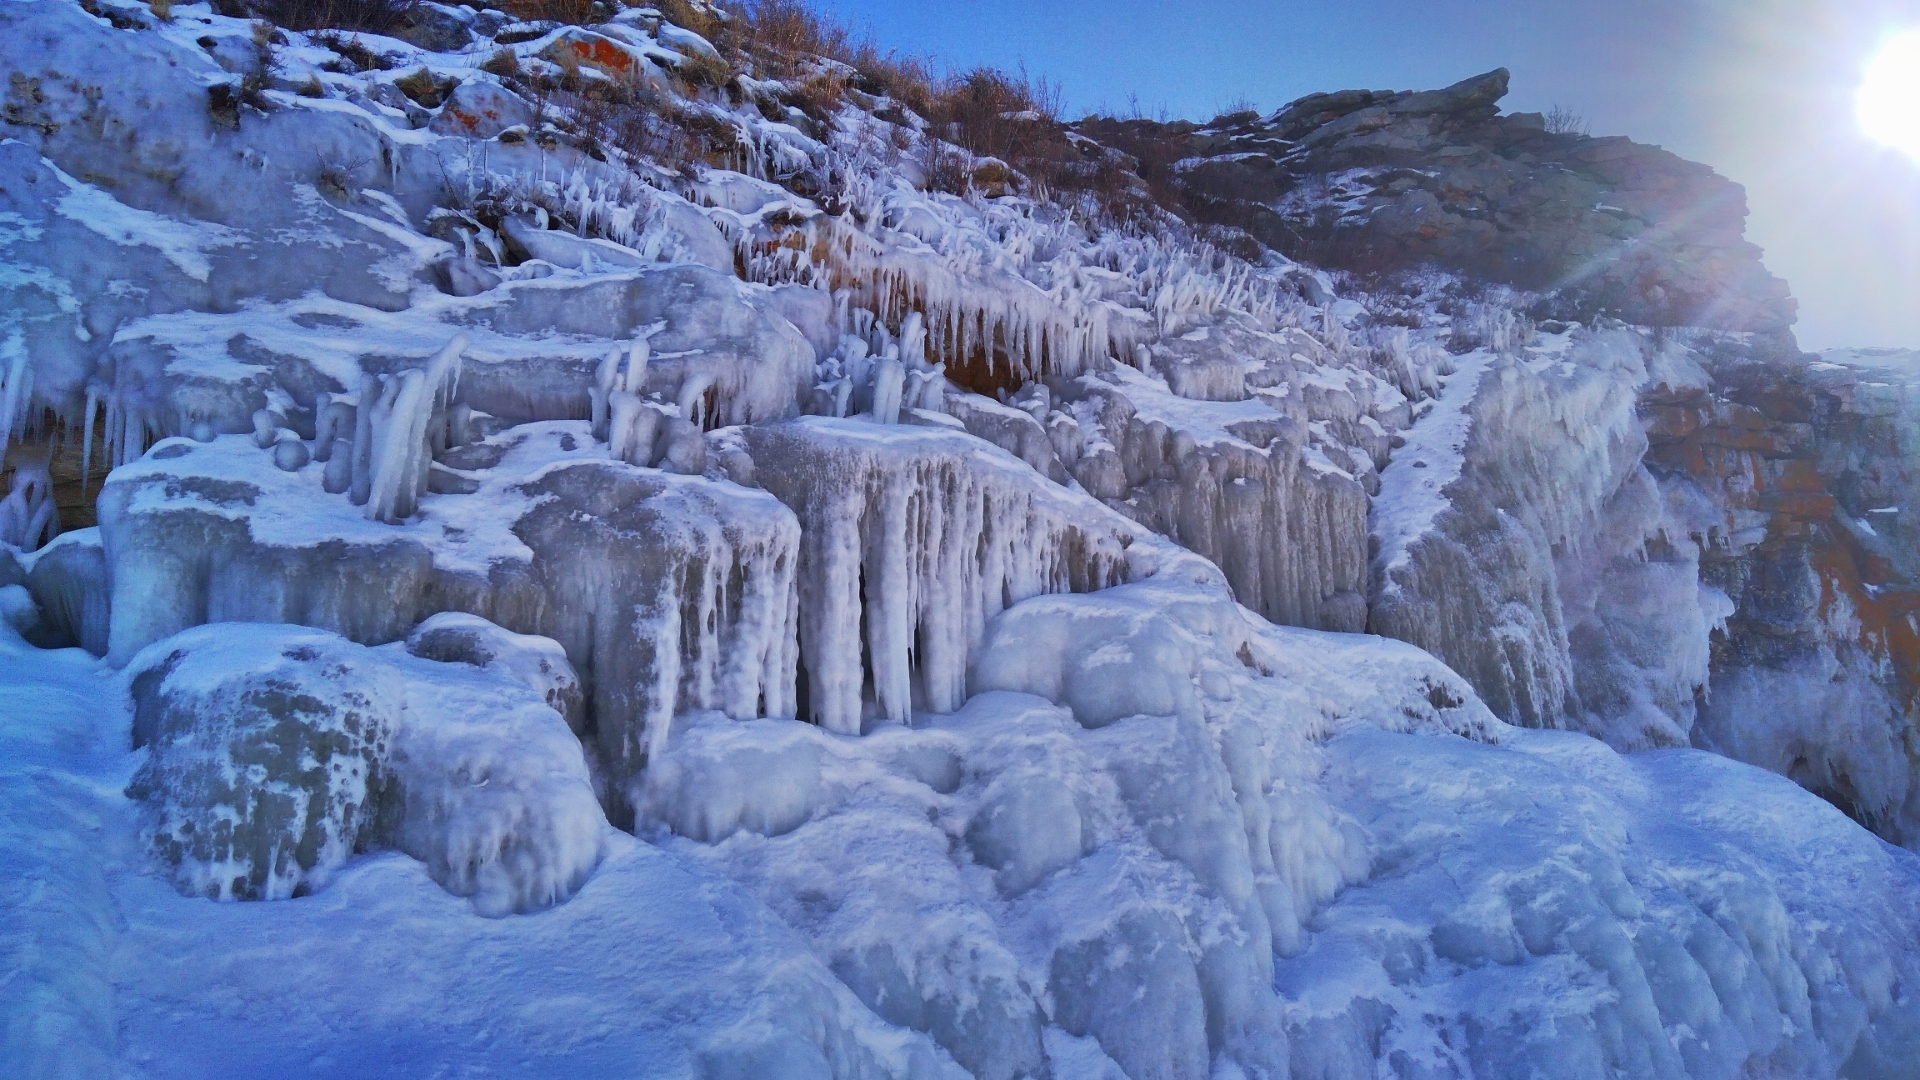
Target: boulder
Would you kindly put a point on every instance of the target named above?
(275, 753)
(481, 110)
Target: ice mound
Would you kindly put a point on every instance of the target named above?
(275, 753)
(1006, 877)
(1554, 908)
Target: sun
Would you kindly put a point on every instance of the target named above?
(1889, 101)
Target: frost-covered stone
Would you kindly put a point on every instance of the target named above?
(265, 775)
(275, 753)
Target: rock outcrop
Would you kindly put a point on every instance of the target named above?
(1379, 182)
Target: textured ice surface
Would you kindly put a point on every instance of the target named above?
(911, 539)
(1550, 907)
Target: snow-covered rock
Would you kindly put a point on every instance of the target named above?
(274, 753)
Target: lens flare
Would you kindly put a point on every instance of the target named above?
(1889, 101)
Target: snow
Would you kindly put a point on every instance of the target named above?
(1413, 492)
(184, 244)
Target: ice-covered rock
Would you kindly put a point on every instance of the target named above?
(667, 593)
(1520, 539)
(275, 753)
(911, 538)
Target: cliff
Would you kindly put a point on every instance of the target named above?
(650, 540)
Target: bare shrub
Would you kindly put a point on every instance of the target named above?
(354, 54)
(1562, 120)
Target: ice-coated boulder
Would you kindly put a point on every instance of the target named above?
(539, 663)
(481, 110)
(275, 753)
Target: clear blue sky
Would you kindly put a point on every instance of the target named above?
(1762, 90)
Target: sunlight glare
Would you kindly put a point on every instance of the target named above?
(1889, 101)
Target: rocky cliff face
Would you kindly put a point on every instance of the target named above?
(1378, 182)
(1747, 499)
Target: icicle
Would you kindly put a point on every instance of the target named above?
(335, 422)
(633, 429)
(266, 424)
(692, 400)
(16, 389)
(371, 391)
(888, 381)
(29, 516)
(86, 445)
(601, 391)
(637, 356)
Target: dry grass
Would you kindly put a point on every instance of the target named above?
(366, 16)
(504, 63)
(354, 54)
(574, 12)
(692, 15)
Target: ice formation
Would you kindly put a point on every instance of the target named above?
(885, 631)
(909, 542)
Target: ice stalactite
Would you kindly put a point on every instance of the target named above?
(397, 450)
(16, 390)
(911, 539)
(28, 516)
(670, 595)
(873, 372)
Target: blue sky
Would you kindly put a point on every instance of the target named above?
(1762, 90)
